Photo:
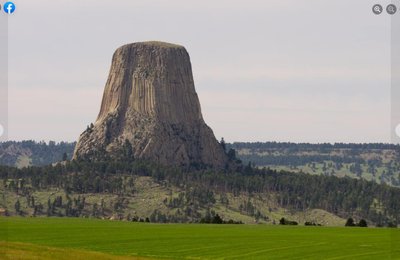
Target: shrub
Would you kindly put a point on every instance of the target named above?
(284, 221)
(350, 223)
(363, 223)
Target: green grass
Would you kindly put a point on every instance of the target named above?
(184, 241)
(25, 251)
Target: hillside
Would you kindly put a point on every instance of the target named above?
(161, 204)
(140, 190)
(32, 153)
(374, 162)
(146, 198)
(135, 189)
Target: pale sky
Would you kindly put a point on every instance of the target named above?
(278, 70)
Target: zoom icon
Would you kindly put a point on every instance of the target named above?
(391, 9)
(9, 7)
(377, 9)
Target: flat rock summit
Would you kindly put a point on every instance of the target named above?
(150, 103)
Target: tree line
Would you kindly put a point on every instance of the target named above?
(341, 196)
(40, 153)
(314, 147)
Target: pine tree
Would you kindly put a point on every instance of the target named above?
(363, 223)
(223, 144)
(350, 222)
(17, 206)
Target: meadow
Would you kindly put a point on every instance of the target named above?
(77, 238)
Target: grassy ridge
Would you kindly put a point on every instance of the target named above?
(179, 241)
(373, 162)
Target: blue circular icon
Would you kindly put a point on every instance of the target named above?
(9, 7)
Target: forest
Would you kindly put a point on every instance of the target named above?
(344, 197)
(32, 153)
(374, 162)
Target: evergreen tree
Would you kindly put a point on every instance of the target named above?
(363, 223)
(350, 222)
(217, 219)
(17, 207)
(223, 144)
(127, 151)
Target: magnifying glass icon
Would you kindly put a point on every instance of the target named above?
(391, 9)
(377, 9)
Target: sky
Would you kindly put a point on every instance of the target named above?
(278, 70)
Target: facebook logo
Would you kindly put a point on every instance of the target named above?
(9, 7)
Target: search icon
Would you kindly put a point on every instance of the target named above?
(377, 9)
(391, 9)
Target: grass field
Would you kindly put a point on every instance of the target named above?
(66, 238)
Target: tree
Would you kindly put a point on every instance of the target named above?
(32, 202)
(231, 154)
(363, 223)
(102, 207)
(65, 157)
(350, 222)
(38, 209)
(284, 221)
(309, 223)
(217, 219)
(50, 208)
(223, 144)
(17, 206)
(127, 151)
(95, 211)
(391, 225)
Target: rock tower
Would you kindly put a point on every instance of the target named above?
(150, 101)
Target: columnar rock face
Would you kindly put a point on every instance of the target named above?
(150, 100)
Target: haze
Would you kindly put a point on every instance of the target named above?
(301, 71)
